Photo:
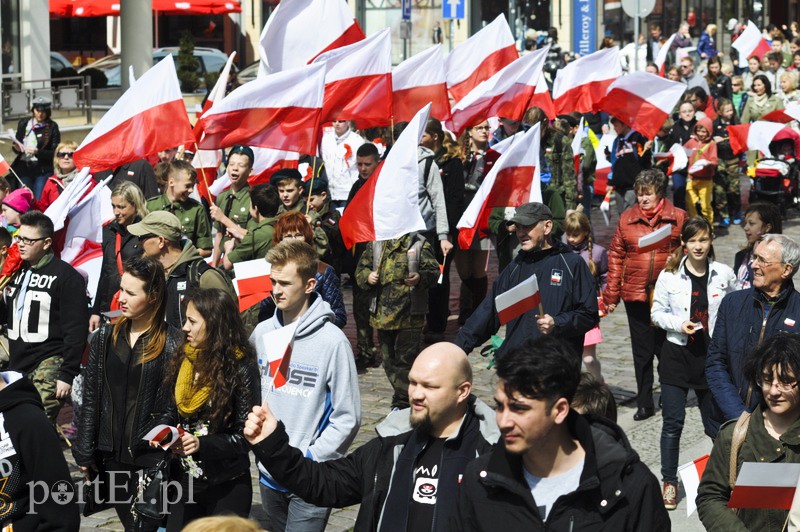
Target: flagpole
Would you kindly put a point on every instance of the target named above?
(15, 175)
(202, 170)
(311, 186)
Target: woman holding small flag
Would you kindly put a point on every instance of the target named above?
(646, 235)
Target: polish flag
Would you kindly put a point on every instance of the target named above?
(765, 485)
(508, 93)
(656, 239)
(784, 116)
(279, 111)
(207, 163)
(387, 206)
(300, 30)
(87, 258)
(418, 80)
(252, 282)
(218, 92)
(603, 169)
(358, 82)
(691, 474)
(480, 57)
(583, 82)
(755, 136)
(148, 118)
(642, 100)
(518, 300)
(750, 43)
(4, 166)
(661, 58)
(512, 181)
(277, 346)
(676, 155)
(266, 163)
(577, 148)
(543, 100)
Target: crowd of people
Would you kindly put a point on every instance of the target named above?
(164, 348)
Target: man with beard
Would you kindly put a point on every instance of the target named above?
(411, 471)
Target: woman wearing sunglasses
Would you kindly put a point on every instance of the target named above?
(64, 172)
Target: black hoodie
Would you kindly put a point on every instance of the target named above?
(32, 463)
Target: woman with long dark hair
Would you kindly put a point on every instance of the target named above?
(124, 396)
(762, 101)
(216, 383)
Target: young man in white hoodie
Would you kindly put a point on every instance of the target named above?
(320, 401)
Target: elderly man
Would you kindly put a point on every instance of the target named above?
(745, 318)
(690, 77)
(406, 478)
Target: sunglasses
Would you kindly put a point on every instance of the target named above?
(64, 154)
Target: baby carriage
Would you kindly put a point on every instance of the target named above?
(775, 179)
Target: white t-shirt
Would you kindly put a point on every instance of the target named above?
(546, 490)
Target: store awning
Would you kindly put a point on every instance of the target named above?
(105, 8)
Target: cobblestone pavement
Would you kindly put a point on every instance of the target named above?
(614, 354)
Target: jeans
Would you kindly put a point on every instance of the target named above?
(290, 513)
(673, 411)
(36, 184)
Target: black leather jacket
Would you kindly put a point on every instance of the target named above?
(224, 455)
(94, 423)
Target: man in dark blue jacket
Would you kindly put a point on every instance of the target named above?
(745, 318)
(566, 288)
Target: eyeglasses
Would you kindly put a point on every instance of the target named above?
(758, 259)
(295, 236)
(482, 128)
(146, 237)
(766, 381)
(64, 154)
(686, 66)
(30, 241)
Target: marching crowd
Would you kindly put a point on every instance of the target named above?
(173, 385)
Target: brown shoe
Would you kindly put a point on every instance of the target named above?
(670, 495)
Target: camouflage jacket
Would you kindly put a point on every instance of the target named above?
(558, 154)
(393, 299)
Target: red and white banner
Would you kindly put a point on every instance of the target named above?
(751, 43)
(279, 111)
(518, 300)
(299, 30)
(387, 206)
(577, 147)
(755, 136)
(358, 82)
(661, 58)
(584, 82)
(642, 100)
(149, 117)
(507, 94)
(691, 474)
(656, 239)
(164, 435)
(266, 163)
(480, 57)
(784, 116)
(765, 485)
(277, 344)
(417, 81)
(252, 282)
(513, 180)
(678, 160)
(543, 100)
(4, 166)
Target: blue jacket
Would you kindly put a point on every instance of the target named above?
(740, 327)
(568, 294)
(706, 46)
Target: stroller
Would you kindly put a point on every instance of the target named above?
(775, 179)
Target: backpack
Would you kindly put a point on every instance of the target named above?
(197, 268)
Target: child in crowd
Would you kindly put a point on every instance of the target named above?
(14, 205)
(727, 194)
(578, 236)
(740, 96)
(702, 152)
(399, 272)
(681, 132)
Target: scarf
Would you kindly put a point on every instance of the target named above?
(187, 398)
(651, 213)
(760, 101)
(67, 178)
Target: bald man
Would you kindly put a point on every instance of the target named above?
(410, 472)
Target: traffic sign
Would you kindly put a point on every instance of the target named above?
(453, 8)
(638, 7)
(406, 9)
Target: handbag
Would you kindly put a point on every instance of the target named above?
(96, 494)
(151, 501)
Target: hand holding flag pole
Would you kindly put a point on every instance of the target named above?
(441, 270)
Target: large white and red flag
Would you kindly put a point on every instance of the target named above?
(299, 30)
(518, 300)
(266, 163)
(543, 100)
(755, 136)
(149, 117)
(417, 81)
(480, 57)
(642, 100)
(387, 206)
(507, 94)
(765, 485)
(751, 43)
(4, 166)
(358, 82)
(584, 82)
(784, 116)
(279, 111)
(513, 180)
(691, 474)
(661, 58)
